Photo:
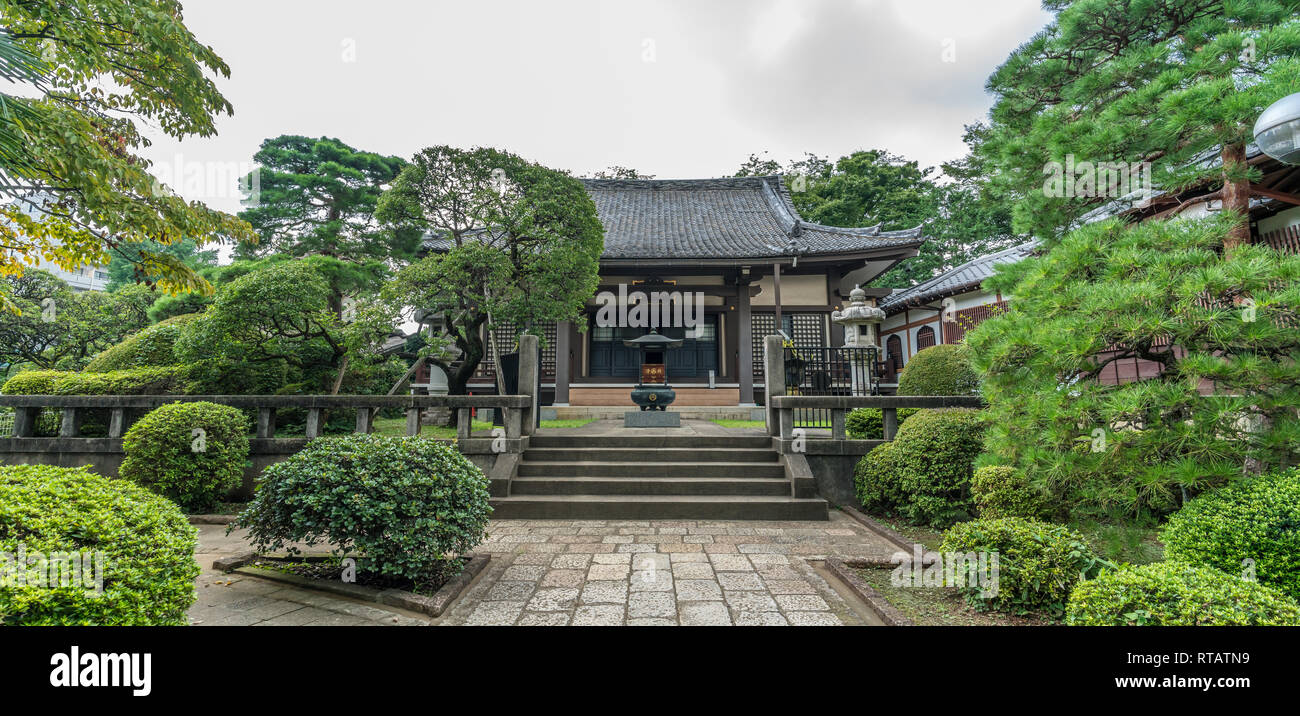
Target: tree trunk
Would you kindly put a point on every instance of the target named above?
(1236, 195)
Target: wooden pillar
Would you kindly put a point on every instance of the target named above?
(744, 344)
(562, 333)
(776, 294)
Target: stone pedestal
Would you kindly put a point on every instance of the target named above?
(651, 419)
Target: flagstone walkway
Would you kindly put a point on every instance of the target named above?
(596, 572)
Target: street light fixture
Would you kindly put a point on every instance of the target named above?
(1277, 131)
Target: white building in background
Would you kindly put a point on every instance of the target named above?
(87, 278)
(941, 309)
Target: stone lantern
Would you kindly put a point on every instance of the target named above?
(860, 321)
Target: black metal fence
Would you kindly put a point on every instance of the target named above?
(829, 371)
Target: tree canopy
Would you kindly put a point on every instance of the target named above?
(1220, 328)
(318, 197)
(877, 187)
(104, 65)
(515, 242)
(1174, 83)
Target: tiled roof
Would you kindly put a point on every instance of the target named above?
(734, 217)
(966, 277)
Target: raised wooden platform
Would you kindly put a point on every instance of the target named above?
(686, 397)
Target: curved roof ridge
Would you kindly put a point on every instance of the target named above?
(931, 287)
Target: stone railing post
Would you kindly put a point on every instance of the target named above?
(365, 420)
(25, 420)
(889, 416)
(529, 375)
(266, 423)
(837, 424)
(116, 422)
(313, 423)
(773, 379)
(71, 425)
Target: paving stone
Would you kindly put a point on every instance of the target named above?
(636, 548)
(779, 572)
(651, 604)
(789, 586)
(297, 617)
(510, 591)
(651, 622)
(623, 558)
(339, 620)
(688, 558)
(648, 561)
(801, 602)
(690, 590)
(814, 619)
(704, 614)
(543, 619)
(553, 600)
(600, 572)
(761, 561)
(522, 573)
(731, 563)
(692, 570)
(602, 615)
(538, 559)
(564, 578)
(660, 581)
(571, 561)
(605, 592)
(495, 614)
(750, 601)
(740, 581)
(762, 619)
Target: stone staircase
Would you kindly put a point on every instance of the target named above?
(655, 477)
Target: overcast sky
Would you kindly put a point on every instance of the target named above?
(685, 88)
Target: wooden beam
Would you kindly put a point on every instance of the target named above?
(1274, 194)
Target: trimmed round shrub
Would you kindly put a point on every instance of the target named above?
(868, 424)
(923, 475)
(1174, 594)
(409, 506)
(944, 369)
(1002, 491)
(1038, 562)
(146, 550)
(191, 453)
(936, 450)
(152, 346)
(1258, 521)
(875, 479)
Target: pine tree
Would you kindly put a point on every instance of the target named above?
(1174, 83)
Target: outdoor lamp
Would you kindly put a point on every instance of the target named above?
(1277, 131)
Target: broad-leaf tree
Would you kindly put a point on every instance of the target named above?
(111, 64)
(511, 241)
(124, 268)
(55, 327)
(1176, 83)
(1226, 398)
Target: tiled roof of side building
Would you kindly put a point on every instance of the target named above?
(966, 277)
(733, 217)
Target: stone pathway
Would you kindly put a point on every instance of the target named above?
(594, 572)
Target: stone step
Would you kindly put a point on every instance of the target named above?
(650, 441)
(651, 507)
(628, 454)
(681, 486)
(651, 469)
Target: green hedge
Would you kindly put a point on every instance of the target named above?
(1038, 562)
(166, 453)
(1258, 521)
(1001, 491)
(924, 474)
(32, 382)
(1174, 594)
(147, 545)
(151, 347)
(868, 423)
(406, 504)
(135, 381)
(944, 369)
